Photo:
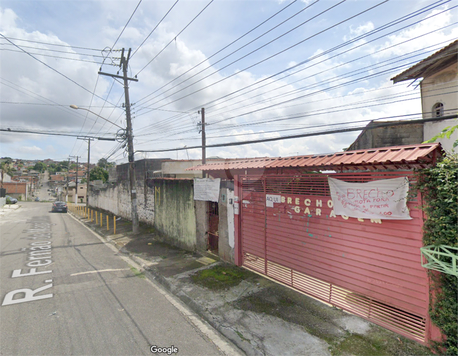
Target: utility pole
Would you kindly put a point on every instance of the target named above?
(89, 139)
(130, 144)
(88, 165)
(68, 175)
(76, 180)
(204, 158)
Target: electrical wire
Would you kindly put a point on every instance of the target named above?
(179, 33)
(403, 18)
(58, 57)
(163, 17)
(54, 44)
(227, 46)
(53, 69)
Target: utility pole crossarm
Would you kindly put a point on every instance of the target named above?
(118, 76)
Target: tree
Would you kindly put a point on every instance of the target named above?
(447, 132)
(98, 173)
(103, 163)
(40, 167)
(64, 165)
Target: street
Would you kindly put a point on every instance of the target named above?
(65, 292)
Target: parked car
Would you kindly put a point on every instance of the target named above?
(10, 200)
(37, 199)
(59, 206)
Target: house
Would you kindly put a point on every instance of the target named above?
(279, 218)
(18, 190)
(439, 74)
(69, 193)
(4, 177)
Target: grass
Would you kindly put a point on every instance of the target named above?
(137, 273)
(220, 277)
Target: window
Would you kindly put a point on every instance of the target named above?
(438, 110)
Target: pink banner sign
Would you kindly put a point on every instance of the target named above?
(380, 199)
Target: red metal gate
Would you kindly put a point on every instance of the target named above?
(368, 267)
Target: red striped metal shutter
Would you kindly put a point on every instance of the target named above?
(370, 268)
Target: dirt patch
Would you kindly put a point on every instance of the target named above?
(220, 277)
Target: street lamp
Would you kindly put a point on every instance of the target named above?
(78, 108)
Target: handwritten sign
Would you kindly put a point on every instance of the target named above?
(206, 189)
(381, 199)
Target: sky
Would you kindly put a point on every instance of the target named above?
(260, 69)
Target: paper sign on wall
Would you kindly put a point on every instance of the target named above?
(206, 189)
(271, 199)
(381, 199)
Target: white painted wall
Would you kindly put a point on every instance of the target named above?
(230, 218)
(440, 87)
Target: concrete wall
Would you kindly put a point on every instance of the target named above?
(116, 199)
(409, 134)
(201, 225)
(440, 88)
(226, 224)
(169, 206)
(178, 169)
(175, 214)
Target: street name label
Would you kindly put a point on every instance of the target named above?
(39, 256)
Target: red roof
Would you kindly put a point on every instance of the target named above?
(397, 157)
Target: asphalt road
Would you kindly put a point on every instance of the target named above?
(65, 292)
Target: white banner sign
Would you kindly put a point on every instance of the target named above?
(206, 189)
(381, 199)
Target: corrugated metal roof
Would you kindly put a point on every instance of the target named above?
(411, 156)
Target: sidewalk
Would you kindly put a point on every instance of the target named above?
(259, 316)
(5, 209)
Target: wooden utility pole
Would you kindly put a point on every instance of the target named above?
(130, 144)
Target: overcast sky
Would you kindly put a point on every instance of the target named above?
(260, 68)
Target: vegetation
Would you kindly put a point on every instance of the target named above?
(98, 173)
(58, 167)
(445, 133)
(7, 168)
(40, 167)
(220, 277)
(103, 163)
(439, 188)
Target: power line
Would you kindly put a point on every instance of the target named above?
(58, 57)
(179, 33)
(253, 65)
(57, 51)
(318, 133)
(141, 44)
(55, 70)
(54, 44)
(403, 18)
(327, 111)
(53, 133)
(222, 49)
